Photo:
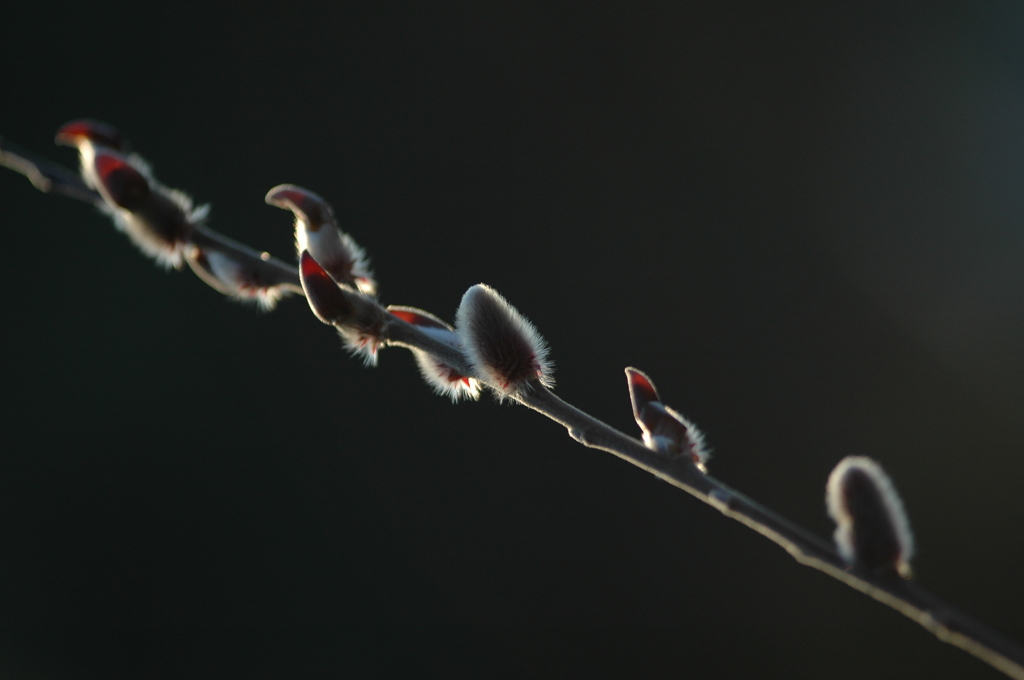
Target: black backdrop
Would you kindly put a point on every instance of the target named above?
(803, 222)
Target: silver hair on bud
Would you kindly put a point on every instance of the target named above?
(317, 231)
(358, 318)
(503, 348)
(664, 429)
(158, 220)
(444, 379)
(872, 529)
(225, 272)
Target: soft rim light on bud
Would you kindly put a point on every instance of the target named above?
(157, 219)
(73, 133)
(316, 231)
(357, 317)
(663, 429)
(233, 278)
(503, 348)
(327, 301)
(872, 529)
(444, 379)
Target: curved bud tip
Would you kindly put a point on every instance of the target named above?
(663, 429)
(316, 230)
(125, 185)
(100, 134)
(641, 390)
(326, 300)
(872, 529)
(307, 206)
(503, 348)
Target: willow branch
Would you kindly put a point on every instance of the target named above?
(939, 618)
(52, 178)
(945, 622)
(45, 175)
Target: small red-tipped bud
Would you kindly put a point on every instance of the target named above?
(327, 301)
(663, 429)
(358, 318)
(99, 134)
(232, 276)
(122, 184)
(503, 348)
(872, 530)
(443, 378)
(316, 231)
(158, 220)
(641, 391)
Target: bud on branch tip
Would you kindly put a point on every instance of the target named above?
(663, 429)
(872, 529)
(326, 300)
(503, 348)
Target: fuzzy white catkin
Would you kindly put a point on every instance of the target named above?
(857, 537)
(503, 348)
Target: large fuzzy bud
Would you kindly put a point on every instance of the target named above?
(663, 429)
(358, 318)
(316, 231)
(872, 530)
(503, 348)
(443, 378)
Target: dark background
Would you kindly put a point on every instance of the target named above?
(804, 222)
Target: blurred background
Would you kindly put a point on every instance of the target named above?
(803, 221)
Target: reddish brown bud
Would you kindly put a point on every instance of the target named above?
(663, 429)
(418, 317)
(358, 317)
(229, 273)
(327, 301)
(121, 183)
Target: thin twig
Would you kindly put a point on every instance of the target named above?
(45, 175)
(53, 178)
(945, 622)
